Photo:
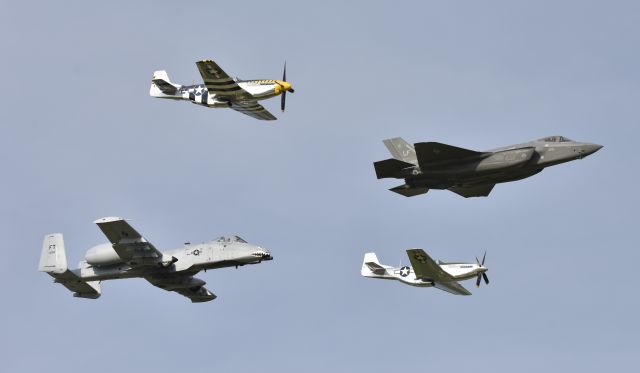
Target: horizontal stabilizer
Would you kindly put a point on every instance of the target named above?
(409, 191)
(80, 288)
(390, 167)
(375, 268)
(433, 152)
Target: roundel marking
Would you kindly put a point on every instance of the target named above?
(421, 258)
(404, 271)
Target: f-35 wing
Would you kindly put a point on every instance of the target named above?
(473, 191)
(220, 83)
(408, 190)
(252, 108)
(426, 268)
(188, 286)
(452, 287)
(130, 246)
(432, 152)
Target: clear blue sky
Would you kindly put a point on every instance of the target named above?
(80, 139)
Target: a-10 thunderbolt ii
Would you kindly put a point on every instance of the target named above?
(128, 255)
(425, 272)
(432, 165)
(221, 91)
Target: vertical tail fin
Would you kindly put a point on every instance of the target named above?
(401, 150)
(53, 258)
(161, 86)
(371, 267)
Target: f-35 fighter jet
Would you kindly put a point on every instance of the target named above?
(432, 165)
(130, 255)
(425, 272)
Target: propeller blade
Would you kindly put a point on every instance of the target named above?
(284, 72)
(478, 281)
(282, 100)
(484, 276)
(483, 257)
(477, 261)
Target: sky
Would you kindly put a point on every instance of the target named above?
(81, 139)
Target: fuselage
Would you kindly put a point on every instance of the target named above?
(499, 165)
(200, 95)
(189, 259)
(405, 274)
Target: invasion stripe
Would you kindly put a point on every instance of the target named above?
(232, 89)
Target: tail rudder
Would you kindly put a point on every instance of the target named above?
(401, 150)
(371, 267)
(161, 86)
(53, 258)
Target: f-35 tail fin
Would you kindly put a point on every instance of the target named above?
(401, 150)
(162, 87)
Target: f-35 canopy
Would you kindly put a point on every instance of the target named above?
(555, 139)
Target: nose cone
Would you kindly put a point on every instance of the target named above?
(588, 149)
(266, 254)
(282, 86)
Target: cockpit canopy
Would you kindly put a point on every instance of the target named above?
(229, 239)
(555, 139)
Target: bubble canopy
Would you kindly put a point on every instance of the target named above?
(230, 239)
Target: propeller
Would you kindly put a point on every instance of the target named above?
(284, 91)
(483, 274)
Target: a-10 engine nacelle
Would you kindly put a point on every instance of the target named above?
(102, 255)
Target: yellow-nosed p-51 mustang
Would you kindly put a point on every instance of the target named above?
(221, 91)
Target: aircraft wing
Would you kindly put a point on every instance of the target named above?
(219, 82)
(473, 191)
(252, 108)
(409, 191)
(188, 286)
(426, 268)
(429, 152)
(127, 242)
(452, 287)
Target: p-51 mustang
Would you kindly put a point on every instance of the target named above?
(432, 165)
(425, 272)
(221, 91)
(130, 255)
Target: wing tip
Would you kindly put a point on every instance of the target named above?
(108, 219)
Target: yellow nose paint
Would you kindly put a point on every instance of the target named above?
(281, 85)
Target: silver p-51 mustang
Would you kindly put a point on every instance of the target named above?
(425, 272)
(129, 255)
